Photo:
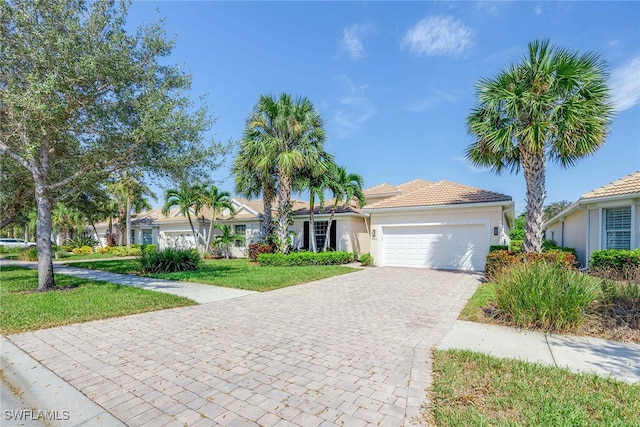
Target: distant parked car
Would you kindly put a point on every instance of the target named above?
(16, 243)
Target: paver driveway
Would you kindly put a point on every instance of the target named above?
(350, 350)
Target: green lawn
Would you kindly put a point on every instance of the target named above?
(77, 300)
(470, 389)
(232, 273)
(473, 310)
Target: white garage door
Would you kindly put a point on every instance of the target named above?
(448, 247)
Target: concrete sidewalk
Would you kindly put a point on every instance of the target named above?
(613, 359)
(198, 292)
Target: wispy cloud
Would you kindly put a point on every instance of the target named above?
(537, 9)
(432, 100)
(438, 35)
(352, 40)
(470, 167)
(355, 107)
(625, 85)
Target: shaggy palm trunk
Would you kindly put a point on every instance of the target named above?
(268, 193)
(128, 222)
(533, 165)
(45, 261)
(284, 208)
(213, 218)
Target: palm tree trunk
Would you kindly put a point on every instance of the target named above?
(128, 221)
(193, 230)
(213, 218)
(333, 212)
(534, 166)
(268, 195)
(284, 209)
(312, 228)
(95, 233)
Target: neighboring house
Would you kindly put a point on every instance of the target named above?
(442, 225)
(605, 218)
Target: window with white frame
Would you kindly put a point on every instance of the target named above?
(240, 230)
(617, 228)
(321, 232)
(147, 237)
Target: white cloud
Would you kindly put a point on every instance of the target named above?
(625, 85)
(352, 40)
(438, 35)
(355, 108)
(538, 9)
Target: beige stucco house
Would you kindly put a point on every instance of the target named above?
(442, 225)
(605, 218)
(419, 223)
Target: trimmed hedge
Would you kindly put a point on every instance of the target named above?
(498, 261)
(615, 259)
(306, 258)
(366, 260)
(498, 248)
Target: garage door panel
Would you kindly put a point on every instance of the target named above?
(454, 247)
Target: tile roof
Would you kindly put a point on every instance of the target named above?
(629, 184)
(383, 188)
(416, 184)
(440, 193)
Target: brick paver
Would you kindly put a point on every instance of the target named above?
(349, 350)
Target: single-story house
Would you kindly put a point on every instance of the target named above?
(441, 225)
(605, 218)
(416, 224)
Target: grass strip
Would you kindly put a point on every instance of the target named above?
(471, 389)
(76, 300)
(231, 273)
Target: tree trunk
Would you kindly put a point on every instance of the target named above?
(213, 217)
(534, 166)
(95, 233)
(333, 212)
(312, 228)
(268, 194)
(284, 209)
(128, 227)
(45, 261)
(193, 230)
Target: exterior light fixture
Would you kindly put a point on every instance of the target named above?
(495, 231)
(373, 233)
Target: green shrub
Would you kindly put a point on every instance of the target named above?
(170, 260)
(29, 254)
(500, 260)
(545, 295)
(149, 248)
(303, 258)
(83, 250)
(621, 303)
(366, 260)
(124, 251)
(616, 259)
(81, 241)
(498, 248)
(517, 234)
(516, 245)
(256, 249)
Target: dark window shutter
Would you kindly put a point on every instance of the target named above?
(305, 238)
(334, 235)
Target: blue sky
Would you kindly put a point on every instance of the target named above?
(394, 81)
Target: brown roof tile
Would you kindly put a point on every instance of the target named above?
(629, 184)
(440, 193)
(416, 184)
(383, 188)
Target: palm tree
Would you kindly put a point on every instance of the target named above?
(65, 219)
(216, 200)
(553, 103)
(187, 198)
(226, 238)
(315, 180)
(345, 188)
(131, 197)
(251, 181)
(289, 135)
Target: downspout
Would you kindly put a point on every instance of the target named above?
(587, 235)
(505, 237)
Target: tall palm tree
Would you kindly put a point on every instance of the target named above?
(345, 187)
(253, 179)
(289, 135)
(216, 200)
(555, 103)
(131, 197)
(314, 178)
(186, 198)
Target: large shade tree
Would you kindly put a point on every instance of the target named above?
(80, 97)
(554, 105)
(287, 135)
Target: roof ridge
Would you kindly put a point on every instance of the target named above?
(609, 185)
